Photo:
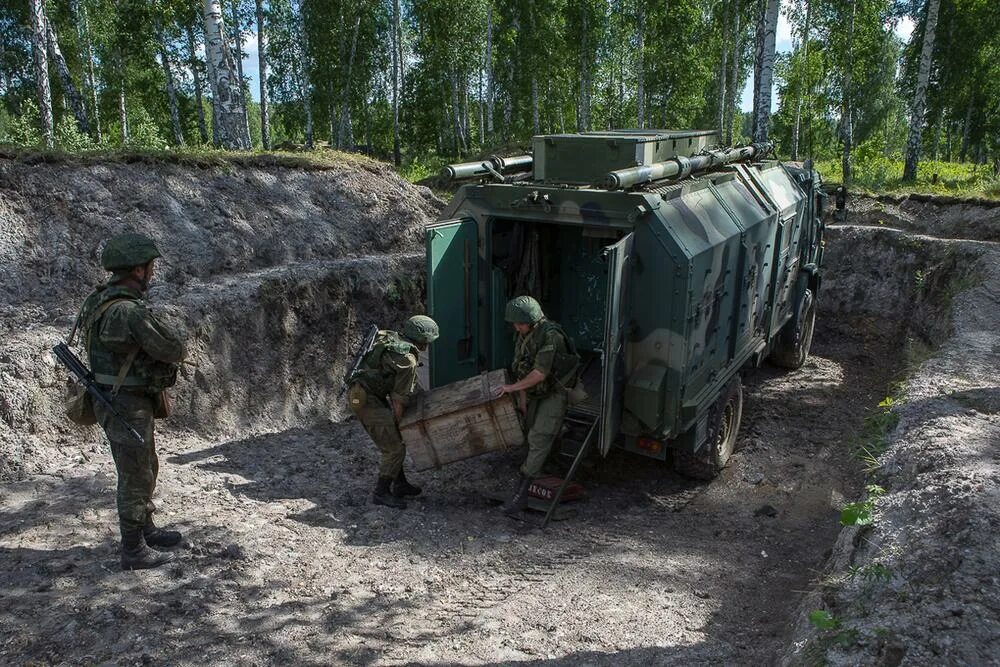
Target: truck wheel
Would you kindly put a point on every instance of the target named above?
(794, 340)
(723, 426)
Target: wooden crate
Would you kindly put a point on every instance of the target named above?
(460, 420)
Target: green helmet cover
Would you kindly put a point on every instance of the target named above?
(524, 310)
(127, 250)
(421, 329)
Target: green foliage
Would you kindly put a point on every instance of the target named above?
(21, 129)
(144, 132)
(70, 138)
(823, 620)
(861, 513)
(877, 173)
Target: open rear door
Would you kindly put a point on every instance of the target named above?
(618, 258)
(452, 298)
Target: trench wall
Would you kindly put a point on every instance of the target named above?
(273, 274)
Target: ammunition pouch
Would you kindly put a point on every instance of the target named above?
(79, 405)
(357, 398)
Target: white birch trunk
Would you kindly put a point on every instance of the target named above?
(734, 78)
(39, 41)
(397, 157)
(344, 137)
(83, 32)
(456, 114)
(175, 117)
(723, 70)
(265, 113)
(800, 93)
(230, 127)
(640, 90)
(194, 65)
(763, 106)
(122, 109)
(238, 55)
(489, 72)
(70, 92)
(920, 94)
(847, 115)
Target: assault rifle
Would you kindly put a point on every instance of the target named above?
(86, 378)
(366, 347)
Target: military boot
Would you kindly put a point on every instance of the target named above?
(382, 496)
(402, 488)
(137, 556)
(520, 498)
(157, 537)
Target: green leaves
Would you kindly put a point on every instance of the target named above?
(823, 620)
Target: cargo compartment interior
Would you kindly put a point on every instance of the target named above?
(562, 266)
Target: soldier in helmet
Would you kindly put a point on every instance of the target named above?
(134, 357)
(545, 364)
(379, 392)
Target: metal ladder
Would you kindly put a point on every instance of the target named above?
(590, 422)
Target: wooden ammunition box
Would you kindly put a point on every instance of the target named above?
(460, 420)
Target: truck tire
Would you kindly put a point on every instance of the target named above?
(791, 349)
(723, 426)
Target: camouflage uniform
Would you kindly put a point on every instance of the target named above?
(388, 373)
(545, 348)
(126, 328)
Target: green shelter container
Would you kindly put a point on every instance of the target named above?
(704, 265)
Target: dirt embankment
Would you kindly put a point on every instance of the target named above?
(915, 583)
(273, 272)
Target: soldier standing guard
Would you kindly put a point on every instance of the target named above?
(379, 392)
(134, 358)
(545, 364)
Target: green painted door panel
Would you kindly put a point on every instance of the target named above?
(618, 258)
(452, 299)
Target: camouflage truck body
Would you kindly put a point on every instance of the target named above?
(672, 288)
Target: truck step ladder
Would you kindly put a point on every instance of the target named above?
(581, 451)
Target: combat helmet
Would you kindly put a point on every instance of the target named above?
(127, 250)
(421, 329)
(524, 310)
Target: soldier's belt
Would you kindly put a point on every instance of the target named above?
(111, 380)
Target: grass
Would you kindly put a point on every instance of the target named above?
(317, 160)
(878, 175)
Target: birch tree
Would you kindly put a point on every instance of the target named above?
(800, 96)
(396, 58)
(71, 92)
(79, 13)
(265, 118)
(765, 80)
(920, 94)
(195, 66)
(171, 90)
(229, 126)
(847, 109)
(39, 42)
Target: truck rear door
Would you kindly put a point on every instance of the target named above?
(452, 298)
(618, 258)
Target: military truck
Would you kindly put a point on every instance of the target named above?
(673, 263)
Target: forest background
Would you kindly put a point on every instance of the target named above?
(881, 93)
